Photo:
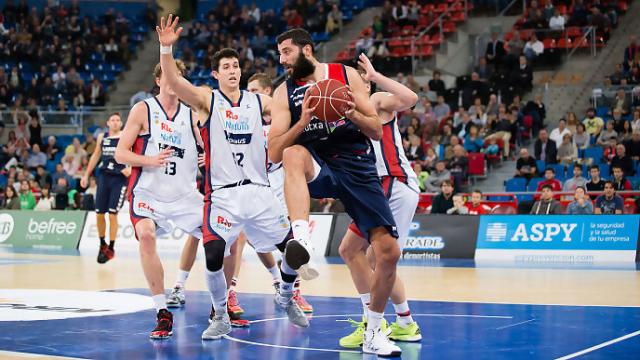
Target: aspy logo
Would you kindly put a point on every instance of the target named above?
(6, 226)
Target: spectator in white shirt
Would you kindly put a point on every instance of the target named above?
(533, 47)
(557, 21)
(558, 133)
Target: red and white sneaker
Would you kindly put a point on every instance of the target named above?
(164, 327)
(302, 303)
(233, 306)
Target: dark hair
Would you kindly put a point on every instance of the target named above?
(223, 54)
(447, 182)
(546, 186)
(550, 169)
(581, 188)
(610, 183)
(115, 113)
(616, 167)
(576, 165)
(299, 37)
(477, 191)
(594, 167)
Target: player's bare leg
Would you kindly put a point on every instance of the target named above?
(187, 259)
(154, 273)
(298, 171)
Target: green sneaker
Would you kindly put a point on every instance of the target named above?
(409, 333)
(356, 338)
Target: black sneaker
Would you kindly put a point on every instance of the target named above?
(102, 254)
(164, 328)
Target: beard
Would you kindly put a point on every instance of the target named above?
(302, 68)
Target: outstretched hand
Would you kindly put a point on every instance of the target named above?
(369, 72)
(167, 32)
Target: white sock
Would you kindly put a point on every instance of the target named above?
(403, 314)
(366, 299)
(160, 302)
(300, 229)
(275, 273)
(181, 278)
(218, 289)
(375, 318)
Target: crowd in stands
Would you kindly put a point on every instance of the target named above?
(57, 59)
(252, 32)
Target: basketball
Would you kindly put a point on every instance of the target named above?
(331, 99)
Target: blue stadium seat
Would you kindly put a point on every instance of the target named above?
(605, 170)
(540, 165)
(515, 184)
(595, 153)
(51, 166)
(533, 184)
(559, 169)
(3, 180)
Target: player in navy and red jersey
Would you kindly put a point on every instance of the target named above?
(112, 185)
(332, 160)
(400, 185)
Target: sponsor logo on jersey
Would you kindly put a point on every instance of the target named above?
(177, 152)
(239, 139)
(173, 139)
(222, 224)
(166, 127)
(144, 207)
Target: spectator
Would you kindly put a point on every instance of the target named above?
(608, 137)
(472, 141)
(46, 201)
(572, 122)
(581, 204)
(533, 48)
(436, 84)
(557, 21)
(476, 207)
(596, 184)
(93, 187)
(72, 159)
(437, 177)
(334, 20)
(400, 13)
(625, 133)
(42, 177)
(11, 199)
(484, 70)
(622, 161)
(493, 148)
(631, 53)
(448, 149)
(545, 149)
(620, 182)
(58, 174)
(415, 151)
(577, 181)
(52, 148)
(558, 133)
(364, 43)
(592, 123)
(90, 145)
(547, 205)
(459, 207)
(609, 202)
(581, 138)
(458, 166)
(27, 200)
(96, 93)
(422, 175)
(550, 180)
(442, 109)
(516, 45)
(35, 129)
(621, 102)
(443, 201)
(634, 146)
(501, 129)
(567, 151)
(37, 158)
(495, 51)
(526, 165)
(430, 159)
(536, 109)
(522, 75)
(635, 122)
(139, 96)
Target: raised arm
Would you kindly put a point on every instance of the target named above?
(398, 96)
(197, 97)
(282, 134)
(134, 126)
(93, 161)
(362, 112)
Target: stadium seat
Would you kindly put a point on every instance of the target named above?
(476, 164)
(515, 184)
(533, 184)
(605, 170)
(595, 153)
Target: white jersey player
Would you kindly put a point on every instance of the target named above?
(237, 190)
(160, 142)
(400, 184)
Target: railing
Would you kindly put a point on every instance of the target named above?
(602, 94)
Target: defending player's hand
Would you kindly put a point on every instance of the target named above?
(307, 111)
(167, 32)
(370, 73)
(160, 159)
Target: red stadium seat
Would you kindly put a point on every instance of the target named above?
(476, 164)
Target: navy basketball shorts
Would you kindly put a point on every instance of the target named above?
(111, 193)
(354, 180)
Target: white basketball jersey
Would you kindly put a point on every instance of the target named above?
(390, 157)
(178, 177)
(271, 166)
(235, 143)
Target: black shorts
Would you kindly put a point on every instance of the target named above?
(354, 180)
(111, 192)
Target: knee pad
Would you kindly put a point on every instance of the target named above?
(214, 254)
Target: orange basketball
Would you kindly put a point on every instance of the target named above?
(330, 98)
